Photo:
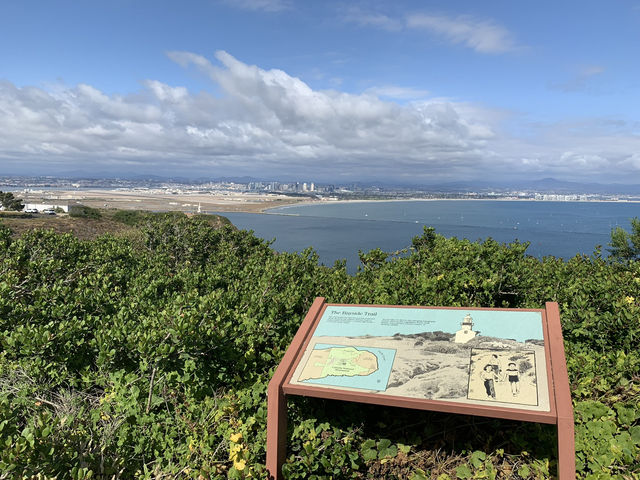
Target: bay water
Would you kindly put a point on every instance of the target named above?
(339, 230)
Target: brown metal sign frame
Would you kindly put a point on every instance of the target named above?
(560, 412)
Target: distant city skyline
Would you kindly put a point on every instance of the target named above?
(547, 189)
(408, 91)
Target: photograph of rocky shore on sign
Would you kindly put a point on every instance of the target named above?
(477, 357)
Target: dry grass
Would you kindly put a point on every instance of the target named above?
(162, 202)
(83, 228)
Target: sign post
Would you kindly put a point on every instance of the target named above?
(502, 363)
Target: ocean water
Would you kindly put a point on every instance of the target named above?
(339, 230)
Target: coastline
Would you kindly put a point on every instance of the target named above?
(418, 199)
(162, 201)
(132, 199)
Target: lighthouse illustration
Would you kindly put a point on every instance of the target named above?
(466, 332)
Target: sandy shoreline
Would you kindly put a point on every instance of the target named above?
(162, 201)
(417, 199)
(208, 202)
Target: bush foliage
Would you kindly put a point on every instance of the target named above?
(626, 245)
(149, 356)
(82, 211)
(9, 202)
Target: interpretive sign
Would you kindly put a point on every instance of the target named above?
(504, 363)
(489, 358)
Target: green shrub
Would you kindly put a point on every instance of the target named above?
(82, 211)
(152, 358)
(10, 202)
(131, 217)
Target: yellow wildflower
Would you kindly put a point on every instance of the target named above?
(234, 451)
(629, 300)
(240, 464)
(236, 437)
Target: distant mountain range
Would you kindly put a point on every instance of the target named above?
(544, 185)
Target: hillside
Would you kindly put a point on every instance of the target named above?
(116, 222)
(149, 355)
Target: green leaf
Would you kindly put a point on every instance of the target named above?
(524, 471)
(477, 458)
(626, 415)
(404, 448)
(463, 472)
(386, 449)
(369, 451)
(419, 474)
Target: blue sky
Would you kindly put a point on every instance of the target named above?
(323, 91)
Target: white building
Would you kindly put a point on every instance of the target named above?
(466, 332)
(44, 206)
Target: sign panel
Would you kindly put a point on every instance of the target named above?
(475, 357)
(502, 363)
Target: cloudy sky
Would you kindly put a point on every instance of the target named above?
(409, 91)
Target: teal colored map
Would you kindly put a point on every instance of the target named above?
(366, 368)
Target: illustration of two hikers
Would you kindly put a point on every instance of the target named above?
(493, 372)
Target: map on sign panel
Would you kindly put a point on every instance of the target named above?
(476, 357)
(357, 367)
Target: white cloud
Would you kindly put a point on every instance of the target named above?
(264, 5)
(371, 19)
(598, 150)
(581, 80)
(591, 70)
(483, 36)
(269, 123)
(400, 93)
(166, 93)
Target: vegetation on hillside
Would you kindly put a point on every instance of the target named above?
(148, 355)
(626, 245)
(9, 202)
(90, 227)
(82, 211)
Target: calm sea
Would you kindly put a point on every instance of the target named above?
(339, 230)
